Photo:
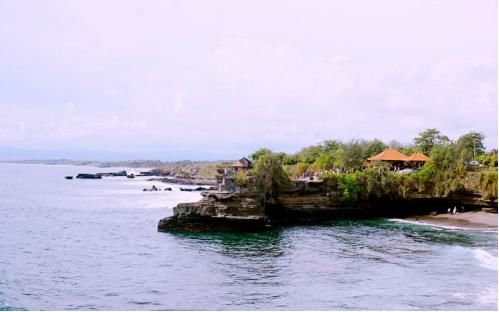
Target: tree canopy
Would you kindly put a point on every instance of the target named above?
(429, 138)
(471, 145)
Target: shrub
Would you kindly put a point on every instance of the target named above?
(242, 178)
(349, 187)
(488, 184)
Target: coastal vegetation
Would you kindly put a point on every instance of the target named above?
(452, 168)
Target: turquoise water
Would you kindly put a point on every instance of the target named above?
(93, 244)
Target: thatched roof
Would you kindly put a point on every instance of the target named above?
(389, 155)
(418, 157)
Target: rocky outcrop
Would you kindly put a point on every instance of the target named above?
(243, 211)
(218, 211)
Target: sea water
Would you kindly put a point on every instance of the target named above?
(94, 244)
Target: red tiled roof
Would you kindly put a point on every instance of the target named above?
(389, 154)
(418, 157)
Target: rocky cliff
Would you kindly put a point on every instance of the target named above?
(304, 202)
(218, 211)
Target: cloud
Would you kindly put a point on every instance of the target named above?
(230, 76)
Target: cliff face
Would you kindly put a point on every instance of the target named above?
(218, 211)
(242, 211)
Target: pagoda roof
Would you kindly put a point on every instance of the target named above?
(418, 157)
(390, 155)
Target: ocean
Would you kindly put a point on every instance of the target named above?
(94, 245)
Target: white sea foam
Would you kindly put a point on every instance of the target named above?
(485, 259)
(440, 226)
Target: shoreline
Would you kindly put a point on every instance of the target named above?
(471, 219)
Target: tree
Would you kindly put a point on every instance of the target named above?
(300, 169)
(290, 160)
(354, 155)
(394, 144)
(446, 168)
(310, 154)
(270, 178)
(259, 153)
(429, 138)
(471, 144)
(329, 146)
(323, 162)
(374, 147)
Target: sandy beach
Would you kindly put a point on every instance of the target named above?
(471, 219)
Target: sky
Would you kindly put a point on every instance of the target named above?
(218, 79)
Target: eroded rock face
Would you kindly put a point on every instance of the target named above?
(218, 211)
(243, 211)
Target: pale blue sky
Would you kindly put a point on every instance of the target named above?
(216, 79)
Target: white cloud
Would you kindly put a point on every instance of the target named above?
(182, 74)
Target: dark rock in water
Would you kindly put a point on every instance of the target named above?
(197, 189)
(88, 176)
(185, 181)
(112, 174)
(168, 189)
(152, 189)
(69, 177)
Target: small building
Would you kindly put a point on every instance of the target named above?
(417, 160)
(241, 164)
(395, 158)
(226, 174)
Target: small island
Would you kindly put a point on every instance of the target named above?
(358, 179)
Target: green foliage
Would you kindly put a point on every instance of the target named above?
(383, 183)
(471, 145)
(488, 160)
(310, 154)
(373, 148)
(443, 175)
(446, 169)
(243, 178)
(330, 180)
(329, 146)
(424, 179)
(290, 160)
(349, 187)
(259, 153)
(323, 162)
(488, 184)
(301, 168)
(429, 138)
(270, 177)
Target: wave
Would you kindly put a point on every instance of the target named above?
(440, 226)
(485, 259)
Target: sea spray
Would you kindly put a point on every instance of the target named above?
(485, 259)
